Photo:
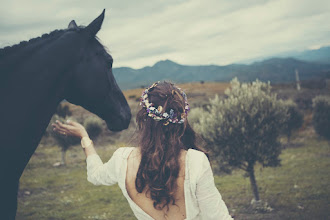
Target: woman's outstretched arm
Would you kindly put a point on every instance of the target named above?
(97, 172)
(75, 129)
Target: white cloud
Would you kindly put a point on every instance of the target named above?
(140, 33)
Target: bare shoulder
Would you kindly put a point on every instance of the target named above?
(183, 154)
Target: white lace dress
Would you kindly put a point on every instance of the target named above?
(202, 198)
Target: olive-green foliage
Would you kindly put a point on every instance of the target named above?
(194, 115)
(93, 126)
(243, 129)
(294, 120)
(194, 119)
(321, 116)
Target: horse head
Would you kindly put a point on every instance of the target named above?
(91, 83)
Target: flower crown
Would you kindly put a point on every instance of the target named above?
(156, 113)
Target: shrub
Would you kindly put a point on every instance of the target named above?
(194, 115)
(93, 126)
(317, 83)
(321, 116)
(243, 129)
(295, 119)
(304, 99)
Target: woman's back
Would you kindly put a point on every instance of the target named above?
(177, 211)
(168, 176)
(199, 199)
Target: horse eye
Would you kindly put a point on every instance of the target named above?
(109, 64)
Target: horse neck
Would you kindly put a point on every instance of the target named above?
(30, 97)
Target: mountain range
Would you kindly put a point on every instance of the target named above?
(310, 64)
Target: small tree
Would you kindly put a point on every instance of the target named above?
(294, 118)
(64, 142)
(243, 128)
(194, 119)
(321, 116)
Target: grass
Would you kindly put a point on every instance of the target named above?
(299, 189)
(63, 192)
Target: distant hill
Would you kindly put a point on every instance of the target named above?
(321, 55)
(275, 70)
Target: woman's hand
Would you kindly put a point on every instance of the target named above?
(71, 128)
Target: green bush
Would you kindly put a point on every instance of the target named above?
(194, 115)
(321, 116)
(93, 126)
(243, 129)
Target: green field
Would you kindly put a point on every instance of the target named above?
(299, 189)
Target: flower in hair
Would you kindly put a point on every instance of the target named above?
(156, 113)
(171, 114)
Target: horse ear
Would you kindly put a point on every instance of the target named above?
(72, 25)
(95, 26)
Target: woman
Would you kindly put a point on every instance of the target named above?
(167, 176)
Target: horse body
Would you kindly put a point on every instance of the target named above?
(34, 79)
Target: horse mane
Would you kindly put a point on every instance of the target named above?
(14, 48)
(53, 34)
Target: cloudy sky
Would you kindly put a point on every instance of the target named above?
(139, 33)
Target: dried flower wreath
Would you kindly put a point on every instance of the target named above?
(158, 114)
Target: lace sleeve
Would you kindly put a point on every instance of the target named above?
(103, 174)
(209, 198)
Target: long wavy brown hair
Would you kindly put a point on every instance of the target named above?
(161, 146)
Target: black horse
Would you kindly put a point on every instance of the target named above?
(35, 76)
